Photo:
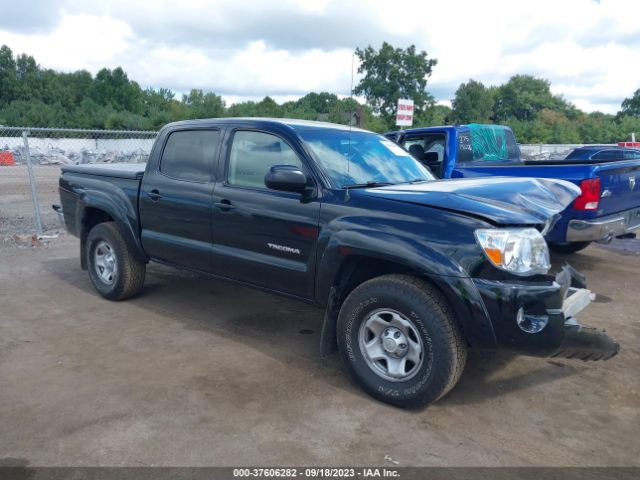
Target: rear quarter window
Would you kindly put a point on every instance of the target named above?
(190, 155)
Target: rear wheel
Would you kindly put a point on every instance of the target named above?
(399, 340)
(568, 247)
(113, 269)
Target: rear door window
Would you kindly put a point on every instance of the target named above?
(190, 155)
(608, 155)
(632, 155)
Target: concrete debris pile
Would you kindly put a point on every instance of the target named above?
(545, 155)
(59, 156)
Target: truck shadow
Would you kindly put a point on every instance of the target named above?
(284, 330)
(488, 375)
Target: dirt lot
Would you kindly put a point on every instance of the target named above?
(200, 372)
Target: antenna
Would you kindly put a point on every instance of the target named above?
(346, 197)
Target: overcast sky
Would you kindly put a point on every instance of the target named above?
(246, 49)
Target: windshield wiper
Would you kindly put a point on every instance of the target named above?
(368, 185)
(418, 180)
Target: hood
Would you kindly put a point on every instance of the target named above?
(500, 200)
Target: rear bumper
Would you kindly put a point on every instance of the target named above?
(554, 304)
(604, 228)
(59, 214)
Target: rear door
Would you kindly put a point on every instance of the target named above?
(619, 180)
(263, 237)
(175, 199)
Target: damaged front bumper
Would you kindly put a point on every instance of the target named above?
(539, 318)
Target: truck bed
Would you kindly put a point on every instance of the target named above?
(118, 170)
(118, 186)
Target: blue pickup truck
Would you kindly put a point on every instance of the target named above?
(608, 177)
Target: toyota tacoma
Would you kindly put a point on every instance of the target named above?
(411, 271)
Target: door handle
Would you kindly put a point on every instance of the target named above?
(225, 205)
(154, 195)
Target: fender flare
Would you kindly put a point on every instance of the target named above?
(459, 290)
(115, 204)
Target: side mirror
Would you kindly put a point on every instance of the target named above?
(286, 178)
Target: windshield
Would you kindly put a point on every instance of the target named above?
(487, 143)
(353, 158)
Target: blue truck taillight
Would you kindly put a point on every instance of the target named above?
(590, 196)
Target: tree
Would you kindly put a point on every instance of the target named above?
(267, 107)
(433, 115)
(8, 82)
(597, 127)
(473, 103)
(523, 96)
(392, 73)
(203, 105)
(322, 102)
(561, 130)
(28, 78)
(115, 89)
(627, 125)
(631, 106)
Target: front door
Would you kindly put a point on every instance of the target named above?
(263, 237)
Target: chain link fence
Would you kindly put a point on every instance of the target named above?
(30, 162)
(31, 158)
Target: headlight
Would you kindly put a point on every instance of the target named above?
(522, 251)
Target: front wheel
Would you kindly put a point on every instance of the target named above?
(568, 247)
(113, 269)
(399, 340)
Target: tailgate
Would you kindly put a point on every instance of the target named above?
(619, 186)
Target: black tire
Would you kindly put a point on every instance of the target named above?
(568, 247)
(128, 277)
(444, 349)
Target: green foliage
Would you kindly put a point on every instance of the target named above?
(523, 96)
(473, 103)
(203, 105)
(627, 125)
(631, 106)
(8, 80)
(392, 73)
(433, 115)
(33, 96)
(598, 127)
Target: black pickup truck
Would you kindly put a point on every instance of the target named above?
(411, 271)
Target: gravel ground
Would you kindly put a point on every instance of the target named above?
(197, 371)
(16, 206)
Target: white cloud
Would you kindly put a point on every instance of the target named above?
(590, 51)
(79, 41)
